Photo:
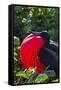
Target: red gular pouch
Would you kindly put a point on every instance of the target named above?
(29, 52)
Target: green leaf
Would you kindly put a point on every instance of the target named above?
(41, 78)
(15, 59)
(15, 54)
(22, 74)
(51, 73)
(30, 71)
(16, 41)
(55, 80)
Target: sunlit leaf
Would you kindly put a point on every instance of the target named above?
(16, 41)
(41, 78)
(30, 71)
(15, 54)
(55, 80)
(22, 74)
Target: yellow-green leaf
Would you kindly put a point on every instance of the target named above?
(22, 74)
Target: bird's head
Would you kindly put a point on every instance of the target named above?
(43, 34)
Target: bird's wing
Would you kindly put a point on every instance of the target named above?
(50, 57)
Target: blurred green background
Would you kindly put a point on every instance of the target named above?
(28, 18)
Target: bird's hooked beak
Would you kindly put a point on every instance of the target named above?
(45, 35)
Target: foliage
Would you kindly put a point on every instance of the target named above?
(37, 19)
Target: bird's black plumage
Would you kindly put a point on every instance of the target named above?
(50, 57)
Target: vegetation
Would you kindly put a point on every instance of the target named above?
(28, 18)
